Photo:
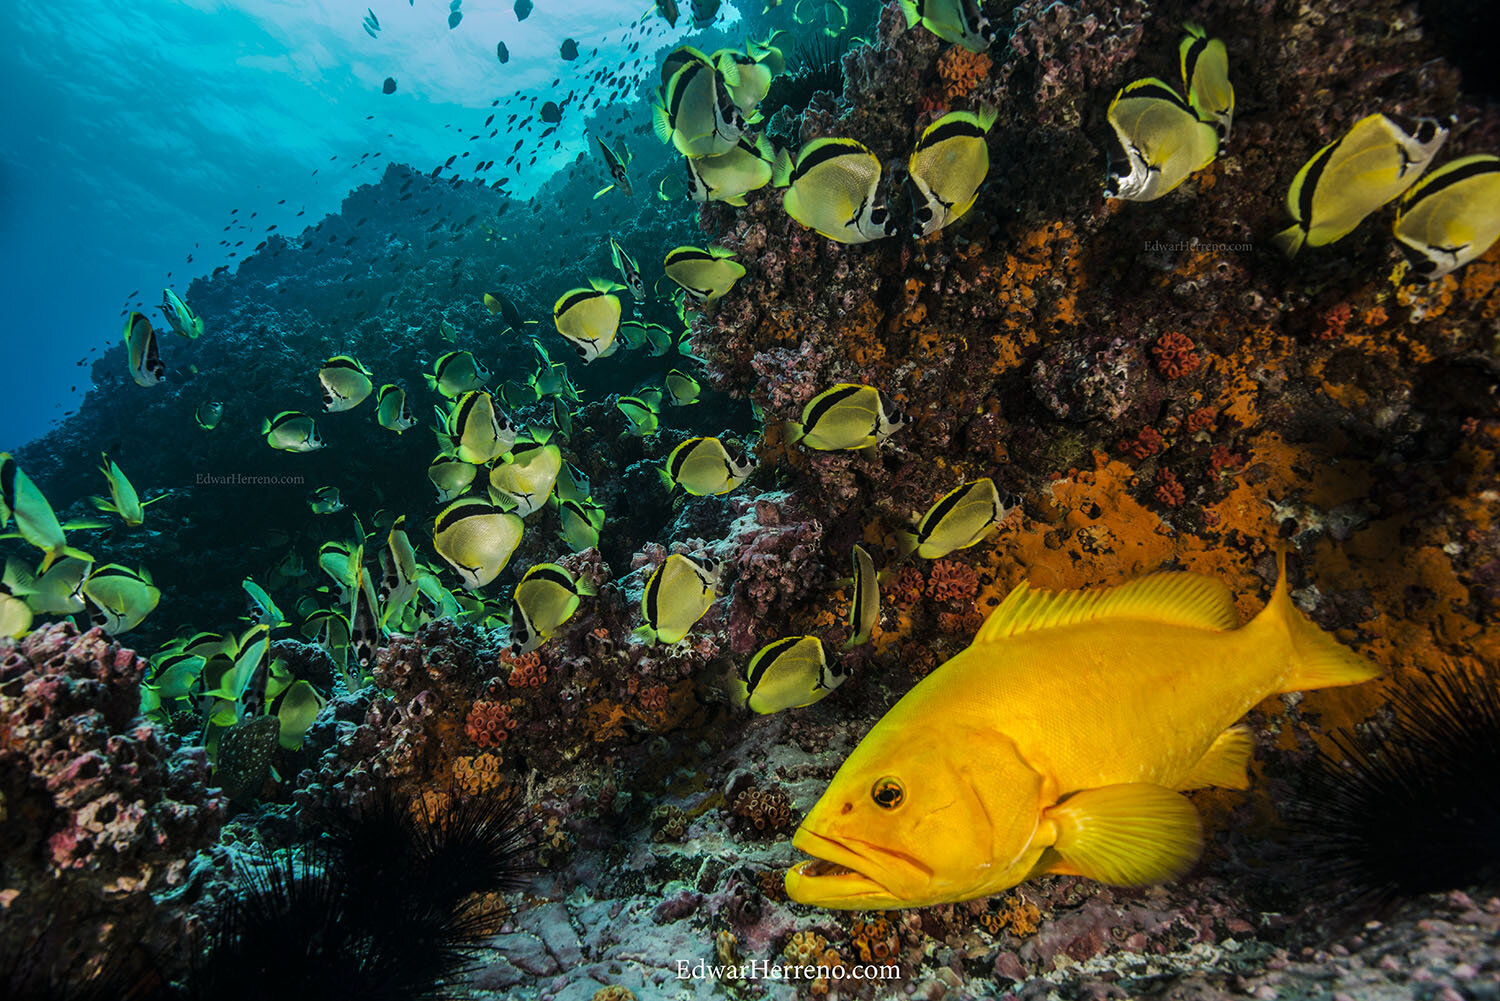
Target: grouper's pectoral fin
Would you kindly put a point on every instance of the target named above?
(1128, 835)
(1224, 764)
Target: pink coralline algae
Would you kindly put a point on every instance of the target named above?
(97, 810)
(777, 550)
(1072, 45)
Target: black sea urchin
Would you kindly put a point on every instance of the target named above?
(28, 973)
(293, 930)
(1413, 808)
(820, 67)
(476, 845)
(372, 911)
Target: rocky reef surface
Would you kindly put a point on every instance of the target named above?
(101, 814)
(1159, 387)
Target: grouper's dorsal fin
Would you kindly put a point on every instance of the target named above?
(1177, 599)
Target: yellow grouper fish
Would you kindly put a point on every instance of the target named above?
(1059, 742)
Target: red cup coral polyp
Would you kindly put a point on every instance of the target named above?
(489, 723)
(1175, 356)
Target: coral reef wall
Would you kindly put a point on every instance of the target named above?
(1157, 383)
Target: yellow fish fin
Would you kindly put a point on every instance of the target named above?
(1126, 835)
(1224, 764)
(1179, 599)
(1290, 240)
(1316, 658)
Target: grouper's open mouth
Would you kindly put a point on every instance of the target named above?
(835, 877)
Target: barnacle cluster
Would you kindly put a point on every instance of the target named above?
(668, 823)
(486, 913)
(1146, 443)
(478, 773)
(553, 840)
(614, 992)
(1169, 489)
(875, 941)
(804, 948)
(765, 811)
(906, 589)
(961, 71)
(1202, 419)
(1011, 913)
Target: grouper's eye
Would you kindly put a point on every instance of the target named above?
(887, 792)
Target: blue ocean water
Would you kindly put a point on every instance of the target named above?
(149, 143)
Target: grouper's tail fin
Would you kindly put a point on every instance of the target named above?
(1316, 658)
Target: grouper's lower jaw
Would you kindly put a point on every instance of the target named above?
(832, 878)
(820, 883)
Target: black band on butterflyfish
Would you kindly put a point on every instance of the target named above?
(453, 516)
(951, 130)
(830, 399)
(348, 363)
(582, 295)
(763, 660)
(1190, 59)
(828, 151)
(1310, 185)
(116, 572)
(683, 451)
(552, 575)
(685, 75)
(653, 593)
(8, 483)
(944, 507)
(1158, 91)
(465, 408)
(151, 356)
(857, 606)
(1438, 183)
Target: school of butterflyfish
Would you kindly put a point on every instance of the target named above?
(493, 478)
